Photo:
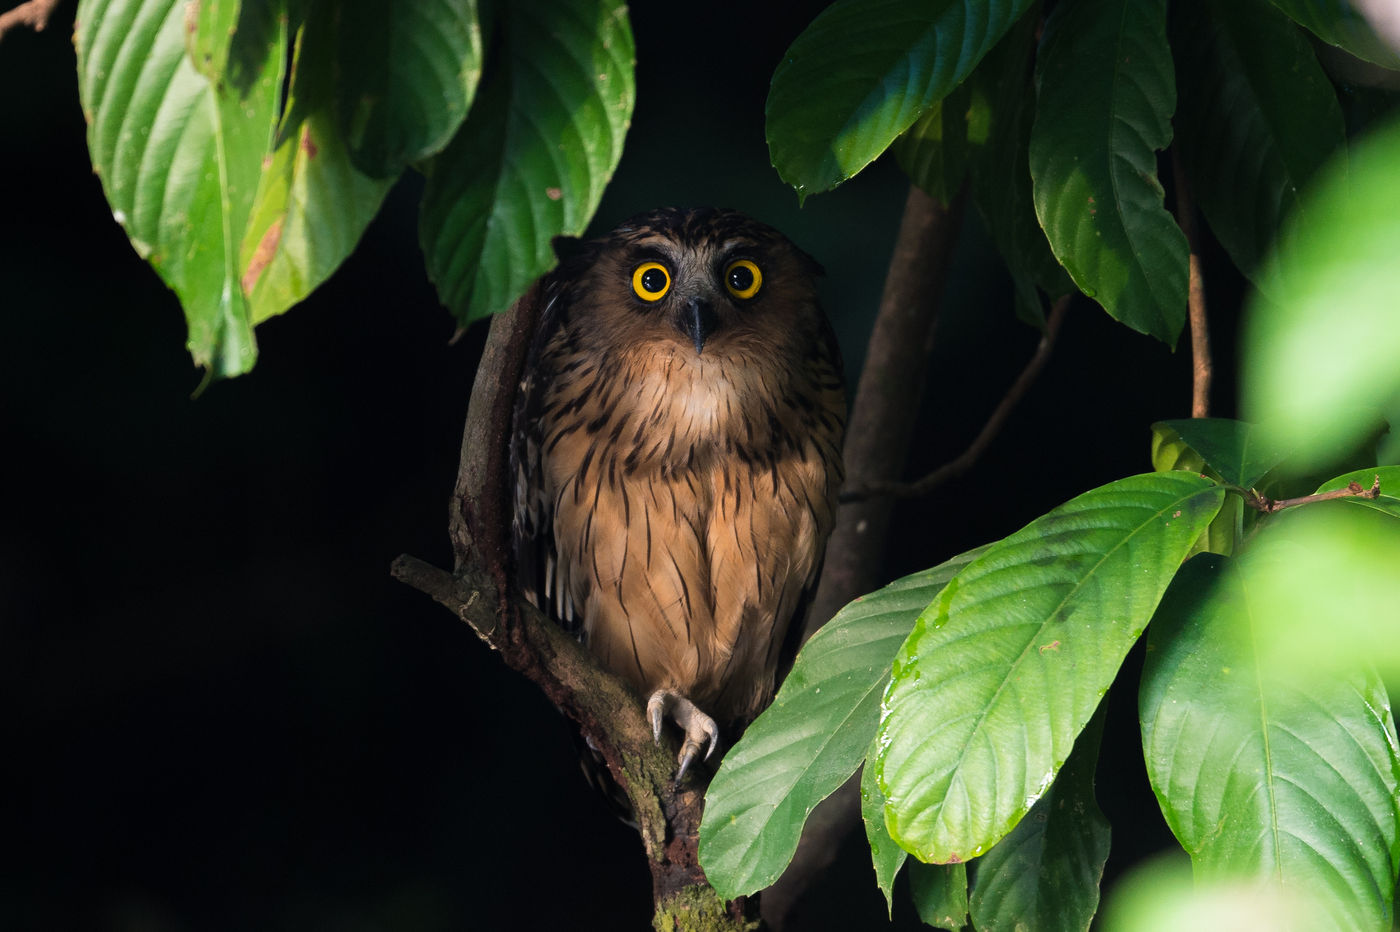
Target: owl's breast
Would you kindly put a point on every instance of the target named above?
(686, 407)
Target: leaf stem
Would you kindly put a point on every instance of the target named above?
(1201, 367)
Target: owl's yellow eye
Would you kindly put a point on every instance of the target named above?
(742, 278)
(651, 281)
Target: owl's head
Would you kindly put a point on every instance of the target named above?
(705, 278)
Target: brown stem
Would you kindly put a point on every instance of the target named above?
(956, 467)
(877, 442)
(1201, 368)
(608, 713)
(34, 14)
(1270, 505)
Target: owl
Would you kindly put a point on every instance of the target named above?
(676, 460)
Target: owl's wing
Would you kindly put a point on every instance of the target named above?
(831, 376)
(538, 570)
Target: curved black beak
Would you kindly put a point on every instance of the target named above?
(698, 321)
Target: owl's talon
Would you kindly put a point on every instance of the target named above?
(655, 709)
(701, 732)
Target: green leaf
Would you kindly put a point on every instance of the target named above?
(1321, 365)
(1325, 577)
(179, 157)
(313, 204)
(933, 152)
(1169, 452)
(1162, 896)
(1261, 773)
(213, 23)
(813, 736)
(407, 75)
(1339, 23)
(863, 71)
(1003, 100)
(1238, 452)
(1105, 105)
(532, 159)
(1006, 666)
(1257, 118)
(1045, 874)
(886, 856)
(939, 892)
(1387, 502)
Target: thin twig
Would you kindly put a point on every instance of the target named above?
(965, 460)
(1270, 505)
(34, 14)
(1201, 367)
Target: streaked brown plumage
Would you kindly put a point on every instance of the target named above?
(677, 458)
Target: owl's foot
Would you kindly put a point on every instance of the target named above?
(699, 728)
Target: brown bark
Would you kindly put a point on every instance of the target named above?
(1201, 367)
(881, 424)
(887, 398)
(35, 14)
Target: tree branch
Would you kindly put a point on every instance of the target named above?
(956, 467)
(877, 443)
(887, 397)
(1270, 505)
(1201, 367)
(608, 713)
(35, 14)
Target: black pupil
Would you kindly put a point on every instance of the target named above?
(653, 280)
(741, 278)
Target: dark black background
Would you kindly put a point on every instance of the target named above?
(219, 712)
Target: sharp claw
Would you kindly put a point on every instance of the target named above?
(701, 732)
(686, 757)
(654, 713)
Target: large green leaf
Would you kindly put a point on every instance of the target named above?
(1003, 99)
(406, 78)
(1104, 109)
(1261, 773)
(1237, 452)
(863, 71)
(1162, 896)
(813, 736)
(1320, 365)
(179, 156)
(312, 204)
(1326, 577)
(1008, 663)
(1257, 118)
(1338, 23)
(886, 856)
(1045, 874)
(532, 158)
